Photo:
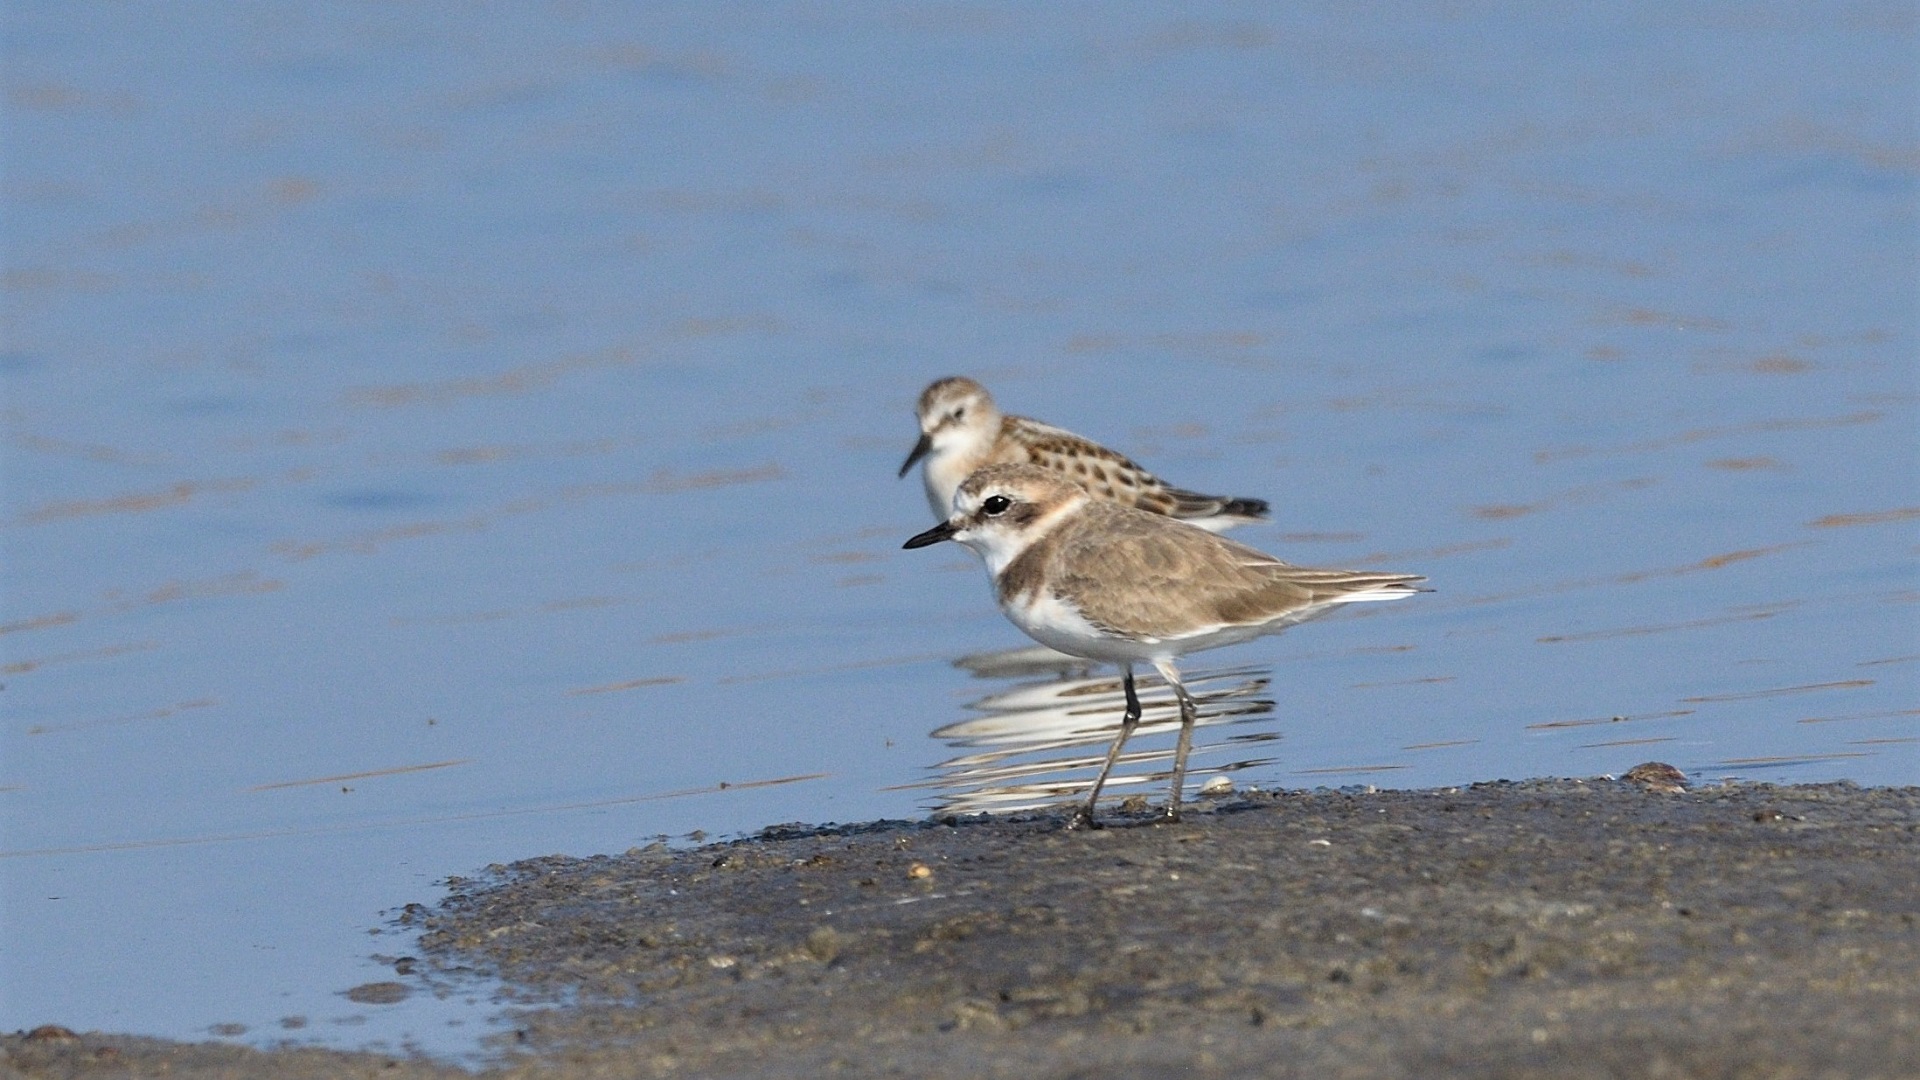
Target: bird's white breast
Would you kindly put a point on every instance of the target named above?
(1057, 623)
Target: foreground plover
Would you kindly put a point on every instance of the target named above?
(1108, 582)
(962, 431)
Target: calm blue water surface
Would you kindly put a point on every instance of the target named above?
(437, 435)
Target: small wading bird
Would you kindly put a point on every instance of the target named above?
(961, 432)
(1108, 582)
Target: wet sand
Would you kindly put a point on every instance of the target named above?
(1544, 928)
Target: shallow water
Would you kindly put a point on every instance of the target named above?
(434, 439)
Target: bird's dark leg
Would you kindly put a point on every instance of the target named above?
(1083, 818)
(1189, 712)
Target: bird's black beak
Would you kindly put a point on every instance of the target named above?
(919, 451)
(942, 531)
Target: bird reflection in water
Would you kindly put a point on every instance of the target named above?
(1040, 741)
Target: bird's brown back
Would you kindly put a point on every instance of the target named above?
(1143, 576)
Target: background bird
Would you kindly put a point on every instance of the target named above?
(961, 431)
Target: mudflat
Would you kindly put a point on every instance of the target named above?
(1544, 928)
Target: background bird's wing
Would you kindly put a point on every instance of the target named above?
(1191, 504)
(1111, 475)
(1105, 473)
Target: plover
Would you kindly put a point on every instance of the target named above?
(962, 431)
(1109, 582)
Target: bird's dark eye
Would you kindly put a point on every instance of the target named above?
(960, 413)
(996, 505)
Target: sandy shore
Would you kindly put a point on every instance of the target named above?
(1544, 928)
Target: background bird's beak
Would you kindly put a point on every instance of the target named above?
(942, 531)
(919, 451)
